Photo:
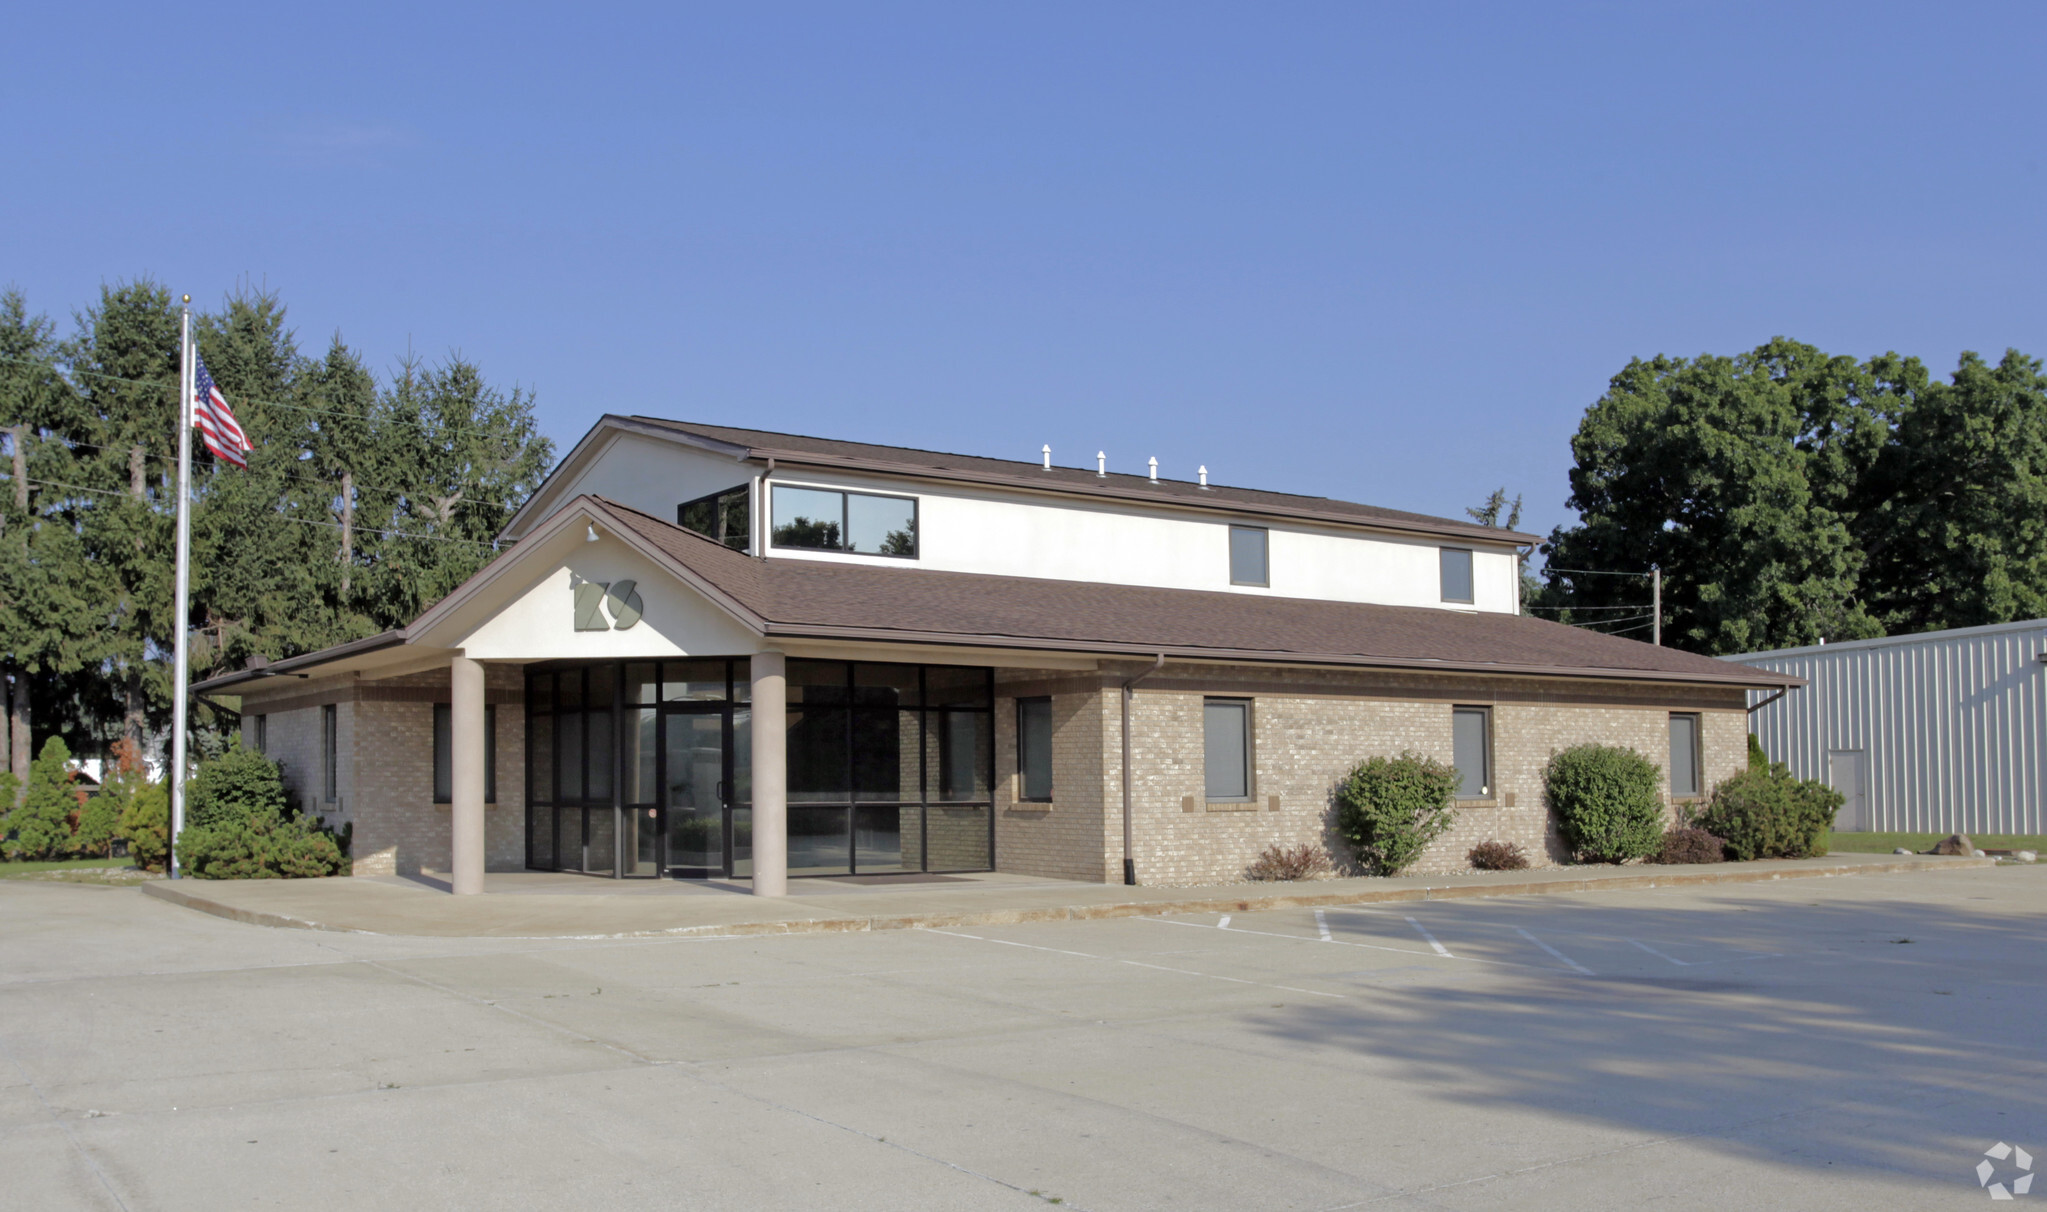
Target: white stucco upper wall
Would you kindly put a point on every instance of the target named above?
(651, 475)
(965, 528)
(1022, 535)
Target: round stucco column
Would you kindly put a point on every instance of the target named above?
(465, 726)
(770, 774)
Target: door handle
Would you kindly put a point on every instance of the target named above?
(721, 792)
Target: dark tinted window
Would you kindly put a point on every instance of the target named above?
(1247, 556)
(1034, 748)
(1456, 574)
(1472, 752)
(1226, 748)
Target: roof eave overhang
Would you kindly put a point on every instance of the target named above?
(293, 665)
(813, 631)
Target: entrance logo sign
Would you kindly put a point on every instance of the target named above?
(615, 606)
(1987, 1169)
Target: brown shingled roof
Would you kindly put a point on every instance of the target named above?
(831, 452)
(824, 599)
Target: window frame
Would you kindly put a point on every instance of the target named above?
(1264, 534)
(716, 500)
(261, 730)
(1023, 795)
(443, 733)
(845, 496)
(1698, 745)
(1443, 555)
(1489, 790)
(330, 753)
(1250, 750)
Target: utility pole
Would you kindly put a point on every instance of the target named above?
(1656, 605)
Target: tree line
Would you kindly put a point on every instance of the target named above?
(1792, 496)
(366, 499)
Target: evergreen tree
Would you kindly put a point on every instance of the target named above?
(41, 827)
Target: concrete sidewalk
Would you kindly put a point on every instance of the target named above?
(540, 905)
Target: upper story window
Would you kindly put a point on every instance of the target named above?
(825, 519)
(1456, 564)
(1248, 545)
(724, 516)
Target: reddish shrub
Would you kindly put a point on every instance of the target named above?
(1497, 856)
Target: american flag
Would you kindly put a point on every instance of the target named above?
(216, 421)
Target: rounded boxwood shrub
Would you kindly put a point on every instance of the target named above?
(1608, 801)
(1770, 813)
(1389, 809)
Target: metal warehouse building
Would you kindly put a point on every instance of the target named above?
(1939, 732)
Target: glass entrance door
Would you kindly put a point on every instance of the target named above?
(697, 789)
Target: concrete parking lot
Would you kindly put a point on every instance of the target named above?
(1844, 1043)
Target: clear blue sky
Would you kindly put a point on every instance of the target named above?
(1382, 252)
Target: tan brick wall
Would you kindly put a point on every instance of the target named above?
(1065, 839)
(1310, 727)
(384, 780)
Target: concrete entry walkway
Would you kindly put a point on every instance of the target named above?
(547, 905)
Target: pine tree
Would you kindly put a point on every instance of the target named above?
(41, 827)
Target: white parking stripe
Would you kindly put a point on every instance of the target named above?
(1322, 926)
(1440, 948)
(1341, 942)
(1658, 954)
(1552, 950)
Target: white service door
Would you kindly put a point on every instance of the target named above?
(1848, 773)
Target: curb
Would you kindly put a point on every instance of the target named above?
(176, 894)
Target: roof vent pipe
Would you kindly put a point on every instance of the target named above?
(1048, 456)
(1101, 465)
(1154, 471)
(1204, 475)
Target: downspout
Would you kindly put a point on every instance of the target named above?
(759, 522)
(1130, 863)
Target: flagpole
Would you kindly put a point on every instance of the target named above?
(182, 613)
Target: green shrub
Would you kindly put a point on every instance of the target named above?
(1770, 813)
(240, 824)
(1757, 759)
(1608, 801)
(1690, 845)
(40, 828)
(267, 845)
(146, 823)
(1389, 809)
(239, 785)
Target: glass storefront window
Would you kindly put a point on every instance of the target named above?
(890, 767)
(692, 681)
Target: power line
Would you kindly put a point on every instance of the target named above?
(74, 443)
(366, 529)
(1595, 572)
(69, 368)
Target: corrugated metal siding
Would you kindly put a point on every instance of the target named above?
(1954, 725)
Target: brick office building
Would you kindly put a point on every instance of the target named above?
(725, 653)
